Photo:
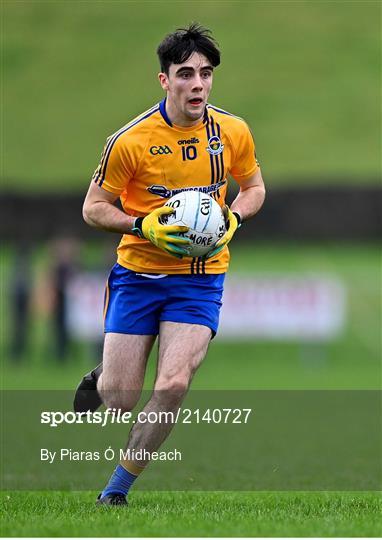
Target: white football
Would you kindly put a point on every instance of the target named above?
(204, 217)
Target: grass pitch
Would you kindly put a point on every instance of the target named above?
(194, 514)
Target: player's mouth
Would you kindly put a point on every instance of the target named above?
(195, 102)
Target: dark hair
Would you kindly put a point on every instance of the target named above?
(177, 47)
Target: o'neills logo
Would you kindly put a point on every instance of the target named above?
(194, 140)
(215, 146)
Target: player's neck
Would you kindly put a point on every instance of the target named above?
(179, 119)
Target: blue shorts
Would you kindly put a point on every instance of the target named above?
(136, 304)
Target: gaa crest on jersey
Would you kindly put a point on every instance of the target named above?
(215, 146)
(160, 150)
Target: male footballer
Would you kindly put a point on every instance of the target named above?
(155, 289)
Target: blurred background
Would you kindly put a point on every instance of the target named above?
(303, 297)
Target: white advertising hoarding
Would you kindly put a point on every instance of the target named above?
(280, 307)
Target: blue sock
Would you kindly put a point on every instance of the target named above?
(120, 482)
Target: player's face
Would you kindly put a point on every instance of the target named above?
(188, 86)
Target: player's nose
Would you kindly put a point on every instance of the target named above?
(197, 83)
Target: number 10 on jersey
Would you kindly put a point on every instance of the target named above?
(189, 153)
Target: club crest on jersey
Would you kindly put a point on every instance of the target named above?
(215, 146)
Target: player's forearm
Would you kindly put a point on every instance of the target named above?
(249, 201)
(106, 216)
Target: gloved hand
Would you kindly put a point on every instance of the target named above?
(232, 223)
(163, 236)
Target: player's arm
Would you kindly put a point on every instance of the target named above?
(247, 203)
(250, 197)
(99, 211)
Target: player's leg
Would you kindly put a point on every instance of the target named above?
(120, 386)
(124, 365)
(182, 348)
(132, 307)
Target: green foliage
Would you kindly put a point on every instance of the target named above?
(305, 75)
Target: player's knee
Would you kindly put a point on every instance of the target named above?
(113, 400)
(118, 398)
(172, 389)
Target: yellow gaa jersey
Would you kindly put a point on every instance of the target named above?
(150, 159)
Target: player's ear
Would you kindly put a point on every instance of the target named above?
(163, 79)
